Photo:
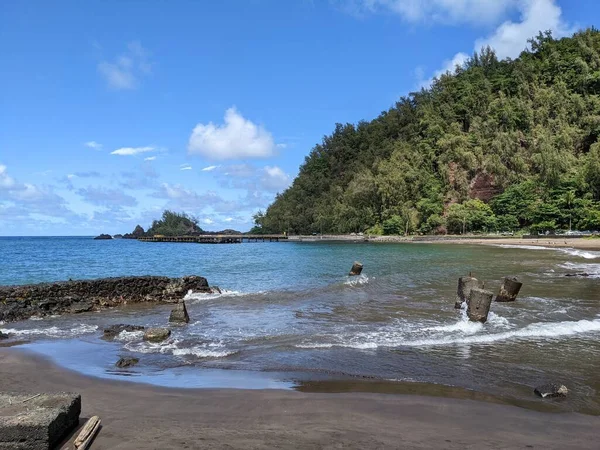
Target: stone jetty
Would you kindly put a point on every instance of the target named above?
(23, 302)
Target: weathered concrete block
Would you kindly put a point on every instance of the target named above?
(465, 284)
(509, 290)
(356, 269)
(179, 314)
(479, 304)
(37, 423)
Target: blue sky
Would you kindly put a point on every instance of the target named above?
(111, 111)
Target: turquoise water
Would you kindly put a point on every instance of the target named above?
(289, 312)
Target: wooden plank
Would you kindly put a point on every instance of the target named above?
(89, 430)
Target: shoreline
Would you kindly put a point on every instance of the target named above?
(137, 416)
(550, 242)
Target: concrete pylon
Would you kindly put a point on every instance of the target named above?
(356, 269)
(465, 285)
(479, 304)
(509, 290)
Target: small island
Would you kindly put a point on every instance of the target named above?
(103, 237)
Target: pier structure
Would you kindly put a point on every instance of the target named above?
(217, 238)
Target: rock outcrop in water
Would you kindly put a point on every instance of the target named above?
(551, 390)
(114, 330)
(103, 237)
(23, 302)
(156, 334)
(179, 314)
(126, 361)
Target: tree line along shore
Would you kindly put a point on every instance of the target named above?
(495, 145)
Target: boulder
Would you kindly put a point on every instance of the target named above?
(126, 361)
(356, 269)
(551, 390)
(478, 306)
(3, 336)
(215, 290)
(112, 331)
(179, 314)
(103, 237)
(156, 334)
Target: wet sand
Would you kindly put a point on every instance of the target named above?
(581, 244)
(137, 416)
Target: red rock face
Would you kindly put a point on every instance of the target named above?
(483, 187)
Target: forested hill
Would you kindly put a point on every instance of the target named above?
(497, 145)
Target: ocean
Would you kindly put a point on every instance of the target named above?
(289, 316)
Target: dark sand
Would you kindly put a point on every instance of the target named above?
(137, 416)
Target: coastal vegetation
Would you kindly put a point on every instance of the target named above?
(170, 224)
(496, 145)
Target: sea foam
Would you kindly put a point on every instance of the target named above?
(52, 331)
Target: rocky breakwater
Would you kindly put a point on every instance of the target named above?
(23, 302)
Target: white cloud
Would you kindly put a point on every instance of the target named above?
(449, 12)
(93, 144)
(129, 151)
(6, 182)
(228, 219)
(185, 167)
(150, 158)
(237, 138)
(209, 168)
(448, 66)
(208, 221)
(509, 39)
(124, 72)
(274, 179)
(103, 196)
(26, 201)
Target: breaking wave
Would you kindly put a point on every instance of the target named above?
(580, 253)
(357, 280)
(463, 332)
(593, 270)
(172, 347)
(52, 331)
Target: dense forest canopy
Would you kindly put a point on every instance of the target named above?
(498, 145)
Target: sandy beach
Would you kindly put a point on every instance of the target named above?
(555, 242)
(137, 416)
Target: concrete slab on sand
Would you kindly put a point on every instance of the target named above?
(32, 422)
